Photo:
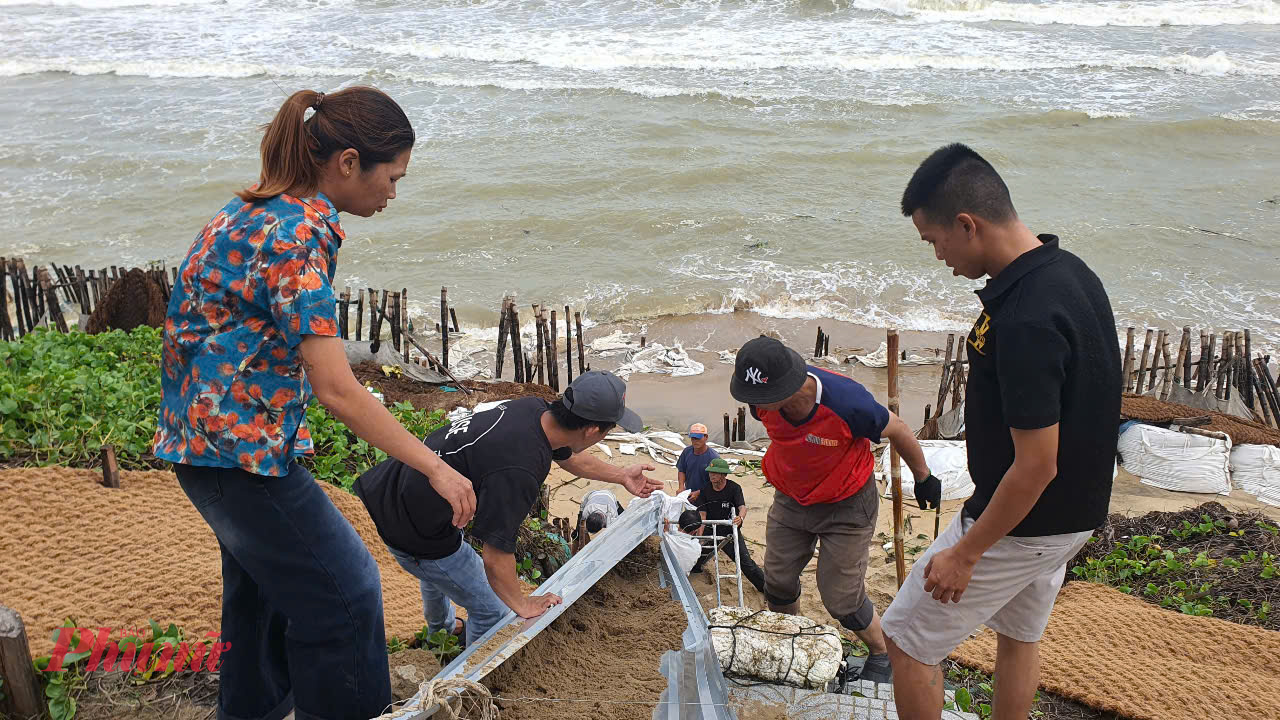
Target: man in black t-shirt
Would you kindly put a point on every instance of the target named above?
(722, 500)
(1042, 413)
(506, 453)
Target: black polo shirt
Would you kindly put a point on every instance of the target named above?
(1044, 350)
(505, 454)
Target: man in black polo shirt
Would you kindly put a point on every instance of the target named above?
(722, 500)
(1042, 412)
(505, 452)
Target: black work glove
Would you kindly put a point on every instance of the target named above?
(929, 493)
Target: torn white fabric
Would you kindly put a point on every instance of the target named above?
(627, 448)
(605, 449)
(728, 358)
(659, 359)
(686, 547)
(880, 358)
(614, 343)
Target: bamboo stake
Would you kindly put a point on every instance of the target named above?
(1228, 343)
(1247, 369)
(110, 469)
(517, 355)
(51, 300)
(1167, 385)
(537, 327)
(404, 321)
(27, 297)
(528, 368)
(568, 348)
(444, 326)
(817, 345)
(1155, 360)
(6, 329)
(503, 314)
(1186, 359)
(742, 424)
(553, 353)
(375, 328)
(734, 434)
(582, 353)
(1206, 377)
(23, 697)
(83, 283)
(1184, 356)
(1142, 365)
(895, 469)
(431, 359)
(1262, 397)
(1268, 388)
(344, 317)
(394, 321)
(728, 436)
(1128, 359)
(359, 312)
(550, 358)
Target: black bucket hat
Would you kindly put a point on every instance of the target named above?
(767, 371)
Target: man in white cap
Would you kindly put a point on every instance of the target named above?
(506, 453)
(691, 467)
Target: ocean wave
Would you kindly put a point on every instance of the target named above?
(562, 54)
(168, 68)
(1093, 14)
(106, 4)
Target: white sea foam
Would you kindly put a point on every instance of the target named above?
(167, 69)
(106, 4)
(1088, 14)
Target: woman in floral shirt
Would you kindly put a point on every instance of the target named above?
(250, 336)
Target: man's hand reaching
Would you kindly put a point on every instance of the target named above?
(637, 483)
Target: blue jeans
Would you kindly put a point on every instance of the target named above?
(460, 578)
(301, 599)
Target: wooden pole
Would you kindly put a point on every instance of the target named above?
(1155, 360)
(1186, 359)
(23, 697)
(503, 319)
(1167, 385)
(20, 269)
(895, 463)
(394, 320)
(110, 469)
(817, 344)
(528, 367)
(826, 345)
(1268, 388)
(548, 337)
(742, 424)
(734, 434)
(1206, 372)
(6, 328)
(359, 312)
(582, 353)
(553, 352)
(728, 436)
(1221, 374)
(1142, 365)
(1184, 355)
(404, 322)
(947, 369)
(1247, 369)
(568, 348)
(375, 327)
(432, 360)
(540, 339)
(1128, 360)
(517, 355)
(444, 326)
(344, 315)
(51, 300)
(1263, 406)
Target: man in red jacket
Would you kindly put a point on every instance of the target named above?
(821, 426)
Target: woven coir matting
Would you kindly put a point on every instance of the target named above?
(1240, 430)
(1119, 654)
(118, 558)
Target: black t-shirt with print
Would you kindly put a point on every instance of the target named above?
(1043, 351)
(503, 452)
(717, 504)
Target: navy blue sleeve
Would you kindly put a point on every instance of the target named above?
(853, 404)
(682, 463)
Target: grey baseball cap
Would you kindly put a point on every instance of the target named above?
(601, 396)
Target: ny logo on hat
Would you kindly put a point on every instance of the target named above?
(753, 377)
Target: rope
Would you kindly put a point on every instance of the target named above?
(458, 698)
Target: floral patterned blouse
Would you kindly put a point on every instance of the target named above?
(257, 279)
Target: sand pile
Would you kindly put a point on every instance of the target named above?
(72, 548)
(1241, 431)
(603, 653)
(133, 300)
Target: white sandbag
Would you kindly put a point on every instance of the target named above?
(1255, 469)
(662, 360)
(949, 461)
(613, 344)
(686, 548)
(805, 654)
(1177, 461)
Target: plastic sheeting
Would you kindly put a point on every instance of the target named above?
(1178, 461)
(880, 358)
(791, 650)
(671, 444)
(949, 461)
(686, 548)
(660, 359)
(1255, 469)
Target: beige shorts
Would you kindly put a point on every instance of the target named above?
(1012, 591)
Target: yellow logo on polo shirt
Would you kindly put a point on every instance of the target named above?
(978, 338)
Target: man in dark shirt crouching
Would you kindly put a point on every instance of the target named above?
(506, 453)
